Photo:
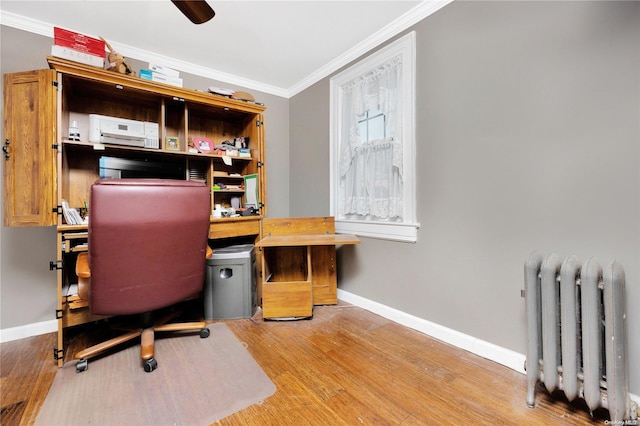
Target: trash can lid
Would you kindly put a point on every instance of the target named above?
(233, 252)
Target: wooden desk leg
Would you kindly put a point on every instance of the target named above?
(325, 280)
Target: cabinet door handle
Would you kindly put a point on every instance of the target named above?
(5, 149)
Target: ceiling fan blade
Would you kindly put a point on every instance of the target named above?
(198, 11)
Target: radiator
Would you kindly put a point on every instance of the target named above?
(576, 332)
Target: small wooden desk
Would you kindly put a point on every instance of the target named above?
(299, 265)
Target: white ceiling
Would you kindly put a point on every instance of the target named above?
(279, 47)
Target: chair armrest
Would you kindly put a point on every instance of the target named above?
(82, 266)
(83, 271)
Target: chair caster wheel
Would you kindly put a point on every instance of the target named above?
(150, 365)
(204, 333)
(82, 365)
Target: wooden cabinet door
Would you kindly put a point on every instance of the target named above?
(29, 148)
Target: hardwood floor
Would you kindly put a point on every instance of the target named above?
(346, 366)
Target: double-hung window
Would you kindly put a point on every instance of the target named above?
(373, 145)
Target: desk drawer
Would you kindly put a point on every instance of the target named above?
(228, 228)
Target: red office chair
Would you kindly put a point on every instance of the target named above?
(147, 251)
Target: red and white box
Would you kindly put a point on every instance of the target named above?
(77, 56)
(79, 42)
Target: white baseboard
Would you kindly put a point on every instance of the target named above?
(506, 357)
(24, 331)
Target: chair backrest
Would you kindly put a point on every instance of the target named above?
(147, 243)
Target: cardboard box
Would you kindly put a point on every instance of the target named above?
(79, 42)
(161, 69)
(160, 78)
(77, 56)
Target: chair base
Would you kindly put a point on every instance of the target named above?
(147, 339)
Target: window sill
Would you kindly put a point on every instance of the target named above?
(404, 232)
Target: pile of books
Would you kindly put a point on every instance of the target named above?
(77, 47)
(161, 74)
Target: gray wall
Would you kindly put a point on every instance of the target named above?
(527, 138)
(27, 287)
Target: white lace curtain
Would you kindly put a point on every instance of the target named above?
(371, 172)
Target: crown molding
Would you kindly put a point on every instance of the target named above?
(394, 28)
(46, 29)
(410, 18)
(26, 24)
(191, 68)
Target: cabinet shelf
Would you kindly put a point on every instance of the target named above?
(148, 88)
(125, 148)
(44, 103)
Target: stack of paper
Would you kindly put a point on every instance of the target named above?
(71, 216)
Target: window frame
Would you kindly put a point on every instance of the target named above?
(407, 230)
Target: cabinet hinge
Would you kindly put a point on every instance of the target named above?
(260, 164)
(259, 123)
(55, 264)
(57, 209)
(54, 146)
(58, 354)
(54, 83)
(59, 314)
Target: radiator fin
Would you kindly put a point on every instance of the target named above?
(576, 332)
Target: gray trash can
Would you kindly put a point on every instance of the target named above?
(230, 283)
